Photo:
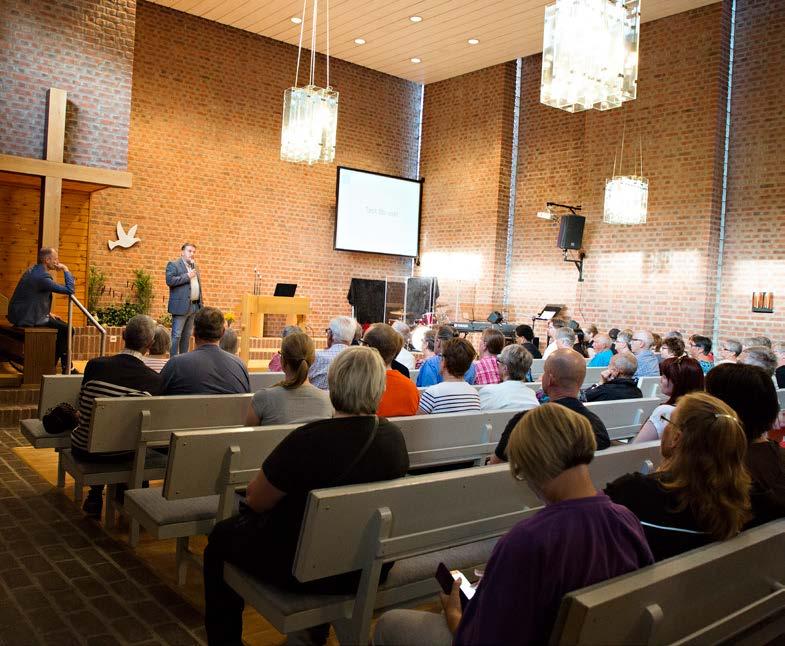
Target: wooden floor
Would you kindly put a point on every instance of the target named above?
(160, 556)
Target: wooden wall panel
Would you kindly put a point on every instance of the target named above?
(19, 239)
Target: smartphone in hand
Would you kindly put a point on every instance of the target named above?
(445, 578)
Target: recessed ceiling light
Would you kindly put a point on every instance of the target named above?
(416, 60)
(473, 41)
(296, 20)
(359, 41)
(415, 18)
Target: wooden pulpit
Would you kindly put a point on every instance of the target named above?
(295, 308)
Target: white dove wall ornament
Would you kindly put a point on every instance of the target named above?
(124, 240)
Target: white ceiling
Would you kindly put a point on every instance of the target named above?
(506, 29)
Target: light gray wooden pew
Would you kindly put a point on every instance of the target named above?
(189, 501)
(133, 424)
(650, 387)
(413, 374)
(55, 389)
(262, 380)
(454, 517)
(729, 592)
(624, 417)
(592, 374)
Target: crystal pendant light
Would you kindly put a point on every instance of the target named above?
(626, 196)
(590, 54)
(310, 113)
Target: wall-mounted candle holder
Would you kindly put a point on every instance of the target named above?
(763, 302)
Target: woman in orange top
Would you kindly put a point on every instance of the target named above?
(401, 396)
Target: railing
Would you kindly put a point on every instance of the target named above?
(73, 300)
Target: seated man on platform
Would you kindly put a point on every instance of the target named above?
(648, 364)
(206, 369)
(340, 334)
(524, 335)
(514, 364)
(400, 396)
(562, 377)
(121, 375)
(31, 302)
(602, 351)
(405, 357)
(487, 368)
(617, 382)
(431, 370)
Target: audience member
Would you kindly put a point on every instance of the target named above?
(748, 342)
(580, 538)
(565, 338)
(554, 325)
(206, 369)
(617, 382)
(401, 396)
(761, 356)
(486, 369)
(623, 340)
(678, 376)
(657, 342)
(159, 351)
(229, 341)
(514, 364)
(674, 334)
(120, 375)
(602, 352)
(452, 394)
(779, 373)
(648, 364)
(701, 492)
(428, 347)
(580, 344)
(700, 350)
(431, 370)
(294, 400)
(405, 357)
(762, 340)
(750, 392)
(340, 334)
(275, 361)
(354, 447)
(358, 333)
(562, 377)
(524, 335)
(672, 347)
(729, 351)
(591, 332)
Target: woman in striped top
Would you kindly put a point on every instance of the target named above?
(453, 395)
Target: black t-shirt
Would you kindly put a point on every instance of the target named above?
(535, 352)
(600, 432)
(314, 456)
(668, 531)
(619, 388)
(779, 373)
(766, 464)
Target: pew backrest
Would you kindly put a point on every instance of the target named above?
(592, 374)
(344, 526)
(707, 596)
(56, 389)
(781, 397)
(650, 387)
(117, 421)
(624, 417)
(262, 380)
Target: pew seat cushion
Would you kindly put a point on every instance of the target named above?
(167, 512)
(34, 432)
(410, 571)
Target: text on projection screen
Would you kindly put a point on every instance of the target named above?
(377, 214)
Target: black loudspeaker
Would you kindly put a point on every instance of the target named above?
(571, 231)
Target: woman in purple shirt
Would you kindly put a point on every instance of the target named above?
(578, 539)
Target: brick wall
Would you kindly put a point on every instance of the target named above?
(754, 252)
(83, 47)
(204, 152)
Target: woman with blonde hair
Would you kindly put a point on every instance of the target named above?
(293, 400)
(701, 492)
(579, 538)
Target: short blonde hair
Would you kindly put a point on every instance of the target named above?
(548, 440)
(357, 379)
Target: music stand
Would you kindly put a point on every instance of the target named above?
(546, 314)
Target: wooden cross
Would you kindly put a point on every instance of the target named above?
(55, 174)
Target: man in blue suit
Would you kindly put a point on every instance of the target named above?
(31, 302)
(185, 296)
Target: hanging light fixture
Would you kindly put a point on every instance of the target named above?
(590, 54)
(310, 113)
(626, 196)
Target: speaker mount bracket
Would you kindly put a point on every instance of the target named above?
(578, 263)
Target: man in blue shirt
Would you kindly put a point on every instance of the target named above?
(603, 353)
(430, 372)
(648, 364)
(31, 303)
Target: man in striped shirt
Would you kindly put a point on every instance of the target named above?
(453, 394)
(121, 375)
